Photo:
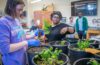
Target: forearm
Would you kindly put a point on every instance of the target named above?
(29, 37)
(71, 30)
(17, 46)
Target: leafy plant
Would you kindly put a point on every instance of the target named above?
(47, 26)
(63, 43)
(93, 62)
(48, 57)
(83, 44)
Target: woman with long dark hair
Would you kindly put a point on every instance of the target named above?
(12, 37)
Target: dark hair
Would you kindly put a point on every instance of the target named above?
(56, 13)
(11, 6)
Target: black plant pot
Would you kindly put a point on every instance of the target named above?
(84, 61)
(95, 44)
(32, 51)
(56, 44)
(75, 55)
(1, 59)
(97, 55)
(71, 40)
(62, 56)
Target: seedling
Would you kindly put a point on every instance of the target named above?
(93, 62)
(48, 57)
(83, 44)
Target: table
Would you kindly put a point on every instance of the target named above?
(92, 32)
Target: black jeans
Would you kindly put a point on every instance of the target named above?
(81, 35)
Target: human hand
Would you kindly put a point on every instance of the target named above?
(71, 29)
(33, 42)
(64, 30)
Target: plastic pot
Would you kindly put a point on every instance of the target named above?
(75, 55)
(84, 61)
(96, 45)
(32, 51)
(0, 59)
(62, 56)
(71, 40)
(97, 55)
(56, 44)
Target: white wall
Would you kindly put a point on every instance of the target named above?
(2, 6)
(61, 5)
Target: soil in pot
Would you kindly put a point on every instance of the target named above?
(87, 61)
(49, 57)
(32, 51)
(77, 51)
(62, 45)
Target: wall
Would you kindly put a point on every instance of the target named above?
(61, 5)
(2, 6)
(3, 3)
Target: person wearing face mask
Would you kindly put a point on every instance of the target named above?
(81, 26)
(12, 36)
(59, 30)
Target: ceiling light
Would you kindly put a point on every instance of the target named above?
(34, 1)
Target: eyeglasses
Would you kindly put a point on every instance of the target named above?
(56, 17)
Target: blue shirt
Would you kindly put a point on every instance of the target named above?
(11, 32)
(80, 22)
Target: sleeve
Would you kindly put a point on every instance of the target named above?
(4, 39)
(76, 25)
(86, 24)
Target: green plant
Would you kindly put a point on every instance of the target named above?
(48, 57)
(47, 26)
(93, 62)
(83, 44)
(63, 43)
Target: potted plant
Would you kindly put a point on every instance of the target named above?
(97, 55)
(87, 61)
(77, 51)
(49, 57)
(95, 44)
(32, 51)
(71, 40)
(62, 45)
(0, 59)
(47, 25)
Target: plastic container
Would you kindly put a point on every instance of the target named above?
(0, 59)
(56, 44)
(71, 40)
(62, 56)
(75, 55)
(84, 61)
(32, 51)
